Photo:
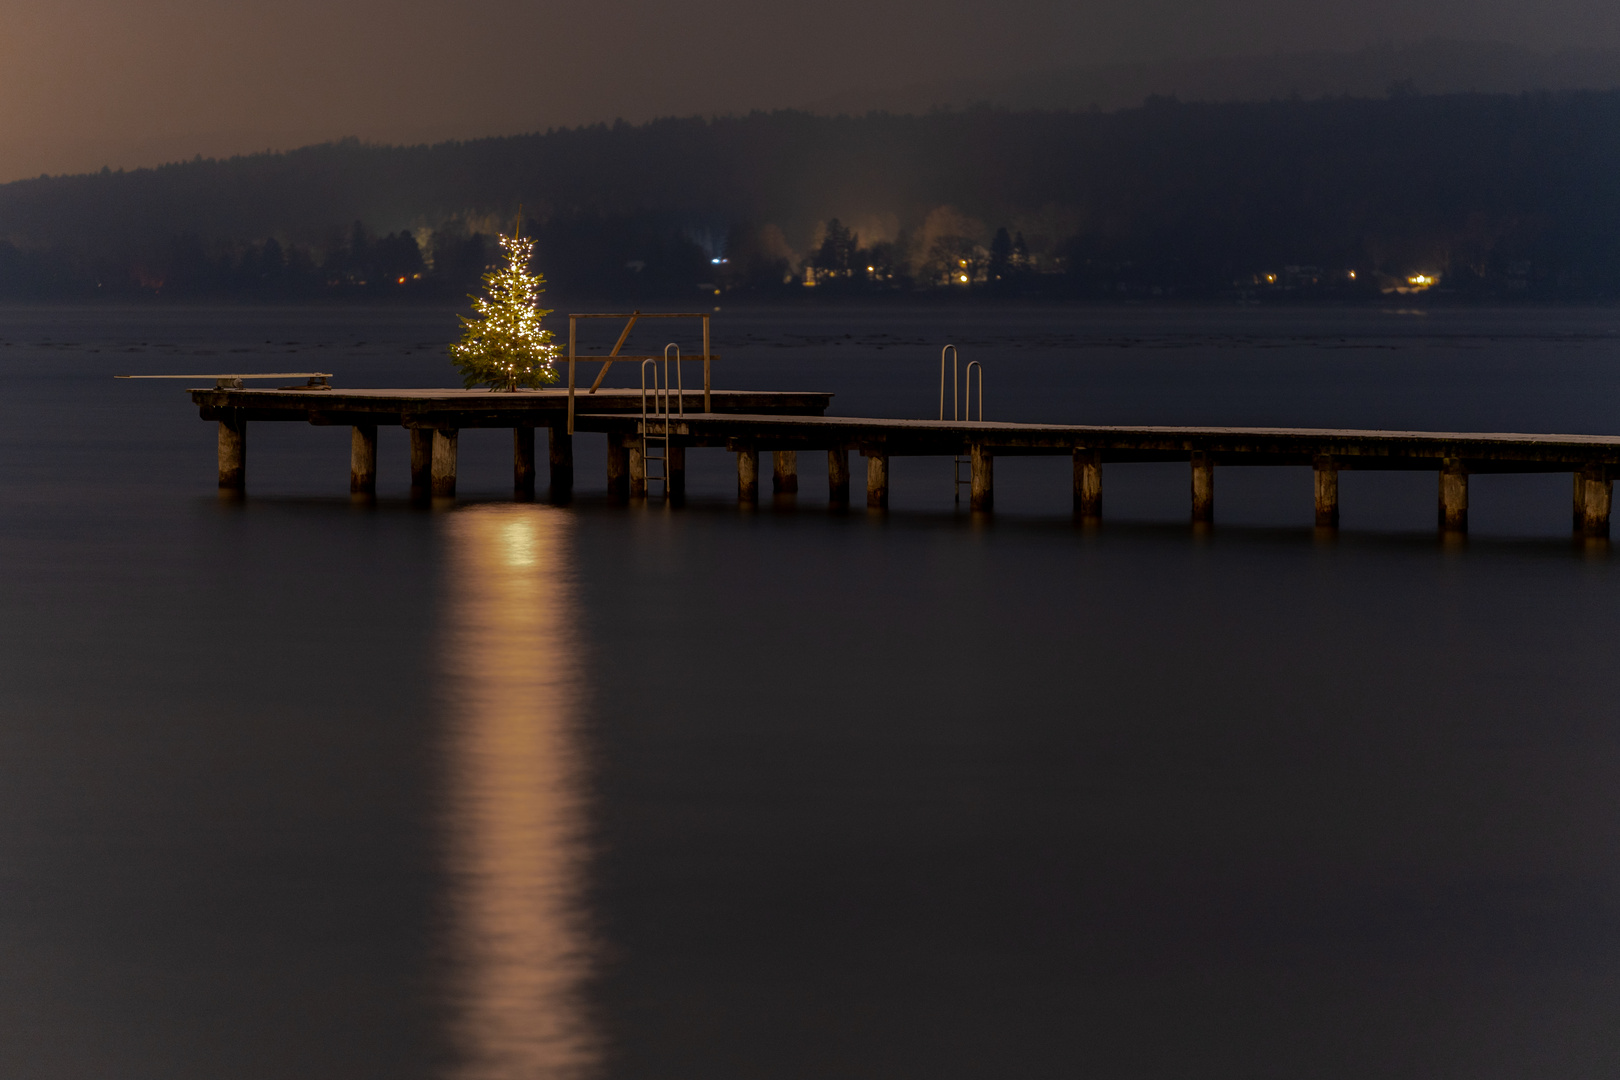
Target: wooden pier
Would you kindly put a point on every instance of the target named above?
(435, 417)
(786, 424)
(1592, 460)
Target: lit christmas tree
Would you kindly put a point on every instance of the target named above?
(505, 347)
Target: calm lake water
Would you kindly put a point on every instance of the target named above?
(301, 788)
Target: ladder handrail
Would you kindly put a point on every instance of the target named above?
(647, 433)
(657, 412)
(961, 405)
(644, 364)
(661, 410)
(680, 387)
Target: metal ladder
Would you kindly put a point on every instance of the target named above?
(961, 410)
(655, 423)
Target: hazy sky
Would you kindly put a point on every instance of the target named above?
(87, 83)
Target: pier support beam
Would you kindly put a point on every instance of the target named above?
(748, 476)
(637, 462)
(785, 472)
(444, 462)
(233, 456)
(1327, 493)
(983, 498)
(1088, 483)
(675, 468)
(1580, 503)
(421, 462)
(1453, 497)
(1203, 488)
(363, 459)
(877, 479)
(561, 452)
(838, 477)
(1596, 487)
(618, 468)
(523, 463)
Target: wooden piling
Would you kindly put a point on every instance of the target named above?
(637, 463)
(1580, 503)
(421, 462)
(1597, 490)
(1088, 483)
(561, 452)
(618, 467)
(1326, 472)
(838, 477)
(877, 479)
(785, 472)
(675, 469)
(747, 475)
(363, 459)
(523, 462)
(233, 455)
(983, 497)
(1203, 488)
(444, 462)
(1453, 496)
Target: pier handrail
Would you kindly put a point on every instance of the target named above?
(956, 360)
(573, 336)
(967, 392)
(617, 345)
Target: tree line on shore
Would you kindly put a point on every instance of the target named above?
(1491, 197)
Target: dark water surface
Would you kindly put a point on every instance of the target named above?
(300, 788)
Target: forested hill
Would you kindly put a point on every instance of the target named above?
(1494, 196)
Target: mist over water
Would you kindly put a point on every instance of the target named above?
(303, 787)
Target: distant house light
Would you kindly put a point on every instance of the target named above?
(1415, 283)
(871, 269)
(964, 278)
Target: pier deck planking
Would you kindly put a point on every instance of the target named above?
(1351, 448)
(451, 408)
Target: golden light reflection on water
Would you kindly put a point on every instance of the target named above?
(519, 945)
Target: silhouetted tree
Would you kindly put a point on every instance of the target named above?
(459, 258)
(1001, 248)
(395, 260)
(836, 256)
(757, 259)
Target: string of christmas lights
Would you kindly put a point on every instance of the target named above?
(505, 346)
